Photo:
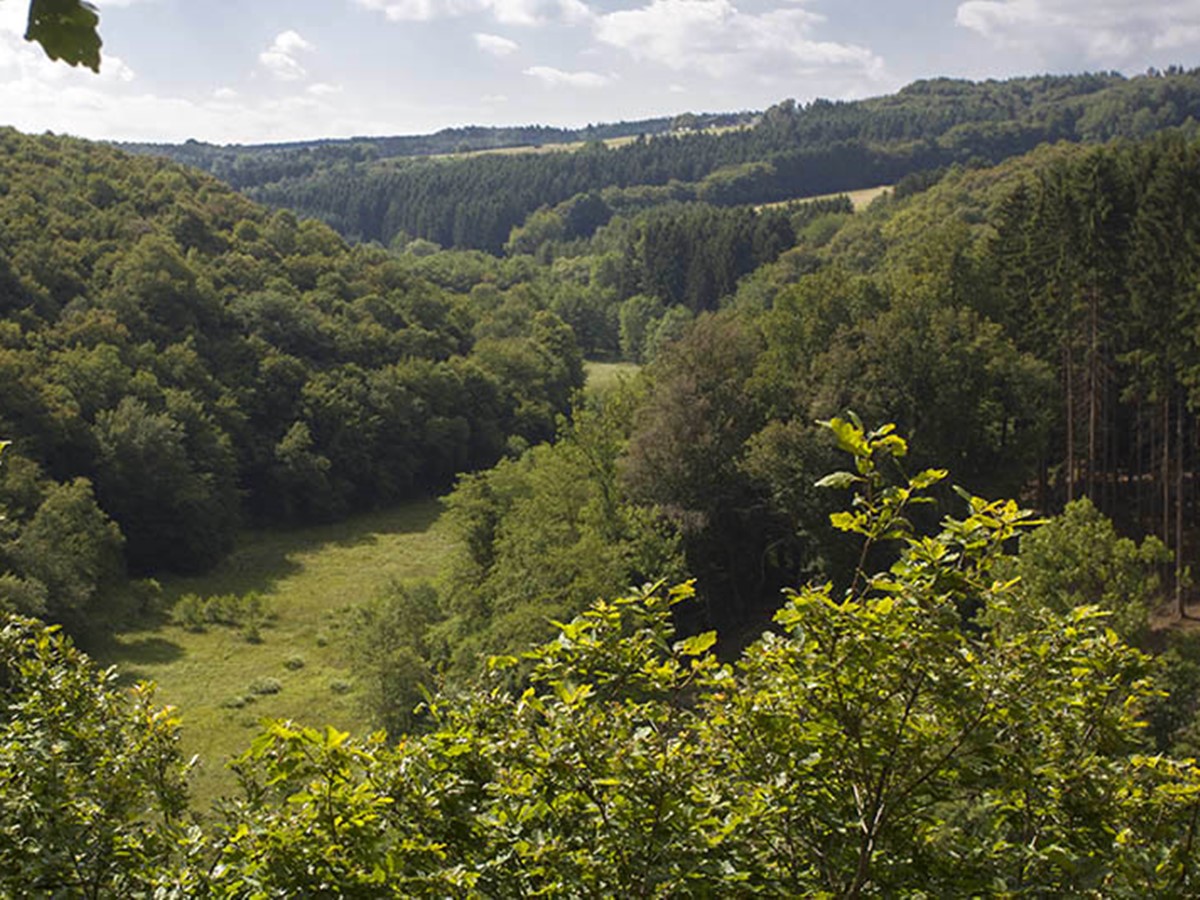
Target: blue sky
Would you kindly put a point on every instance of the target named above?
(269, 70)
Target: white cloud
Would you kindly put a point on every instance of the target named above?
(506, 12)
(416, 10)
(718, 38)
(558, 78)
(1177, 36)
(321, 89)
(86, 108)
(280, 58)
(494, 44)
(538, 12)
(37, 94)
(1106, 32)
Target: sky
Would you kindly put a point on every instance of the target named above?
(256, 71)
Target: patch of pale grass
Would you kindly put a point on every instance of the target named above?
(603, 376)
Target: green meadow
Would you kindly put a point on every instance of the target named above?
(222, 683)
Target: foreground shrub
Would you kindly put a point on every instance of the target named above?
(878, 743)
(92, 785)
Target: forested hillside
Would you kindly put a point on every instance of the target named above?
(870, 678)
(252, 165)
(1032, 327)
(793, 151)
(176, 359)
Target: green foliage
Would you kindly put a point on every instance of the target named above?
(1174, 723)
(870, 745)
(529, 199)
(638, 316)
(72, 548)
(92, 785)
(1077, 559)
(397, 653)
(205, 363)
(544, 535)
(265, 684)
(176, 509)
(686, 455)
(918, 754)
(66, 29)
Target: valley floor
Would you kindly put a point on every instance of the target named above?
(308, 577)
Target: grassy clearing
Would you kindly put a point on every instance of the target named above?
(602, 376)
(223, 684)
(552, 147)
(864, 198)
(860, 199)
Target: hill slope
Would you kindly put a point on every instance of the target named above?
(372, 189)
(177, 359)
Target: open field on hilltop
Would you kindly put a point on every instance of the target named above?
(308, 576)
(864, 197)
(572, 146)
(860, 198)
(551, 147)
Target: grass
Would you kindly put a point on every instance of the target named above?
(519, 149)
(602, 376)
(860, 199)
(224, 686)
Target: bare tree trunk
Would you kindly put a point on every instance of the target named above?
(1110, 449)
(1093, 390)
(1070, 423)
(1139, 464)
(1165, 474)
(1179, 503)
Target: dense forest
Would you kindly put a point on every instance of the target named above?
(1028, 326)
(177, 360)
(872, 747)
(847, 671)
(791, 151)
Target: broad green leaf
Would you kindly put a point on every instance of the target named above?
(697, 644)
(66, 29)
(929, 477)
(845, 521)
(849, 438)
(839, 480)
